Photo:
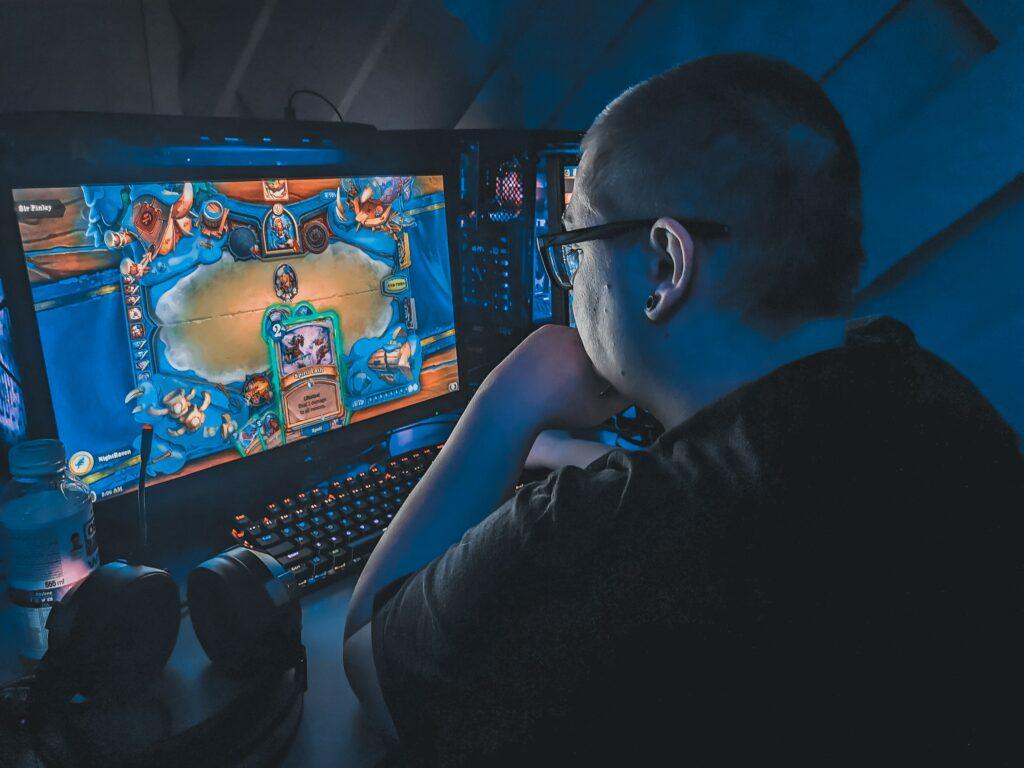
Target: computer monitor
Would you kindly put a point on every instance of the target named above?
(234, 315)
(12, 404)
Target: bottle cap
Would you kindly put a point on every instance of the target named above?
(36, 458)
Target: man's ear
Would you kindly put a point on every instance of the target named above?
(674, 248)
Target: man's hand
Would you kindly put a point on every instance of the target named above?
(549, 381)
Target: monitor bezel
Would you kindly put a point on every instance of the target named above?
(399, 153)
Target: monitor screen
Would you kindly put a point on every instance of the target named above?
(12, 405)
(234, 316)
(568, 181)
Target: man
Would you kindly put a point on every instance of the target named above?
(820, 558)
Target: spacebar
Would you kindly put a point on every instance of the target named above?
(363, 545)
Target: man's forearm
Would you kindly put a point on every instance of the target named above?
(470, 478)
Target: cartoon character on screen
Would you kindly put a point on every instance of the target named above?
(292, 348)
(257, 390)
(286, 283)
(375, 213)
(185, 410)
(281, 233)
(159, 225)
(394, 359)
(321, 351)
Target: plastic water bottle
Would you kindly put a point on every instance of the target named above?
(48, 534)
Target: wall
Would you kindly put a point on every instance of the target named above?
(963, 295)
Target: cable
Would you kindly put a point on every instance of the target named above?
(289, 111)
(145, 448)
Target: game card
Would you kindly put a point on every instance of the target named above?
(248, 439)
(305, 356)
(270, 430)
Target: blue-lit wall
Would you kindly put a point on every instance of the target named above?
(963, 294)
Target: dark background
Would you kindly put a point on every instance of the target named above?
(931, 90)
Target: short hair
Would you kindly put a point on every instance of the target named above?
(752, 142)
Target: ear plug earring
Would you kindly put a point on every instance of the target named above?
(652, 301)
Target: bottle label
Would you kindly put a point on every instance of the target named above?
(43, 564)
(31, 610)
(57, 555)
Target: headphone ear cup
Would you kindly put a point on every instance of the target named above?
(110, 636)
(245, 612)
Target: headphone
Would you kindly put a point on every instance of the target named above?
(112, 634)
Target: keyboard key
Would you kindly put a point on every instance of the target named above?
(238, 533)
(316, 493)
(303, 525)
(267, 539)
(269, 523)
(295, 556)
(301, 540)
(301, 572)
(242, 520)
(331, 528)
(280, 549)
(316, 533)
(316, 520)
(332, 514)
(287, 531)
(273, 509)
(319, 563)
(288, 502)
(254, 530)
(301, 497)
(285, 518)
(319, 546)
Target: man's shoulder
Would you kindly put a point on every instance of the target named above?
(846, 404)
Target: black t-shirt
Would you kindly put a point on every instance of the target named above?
(823, 565)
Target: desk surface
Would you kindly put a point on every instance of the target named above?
(333, 730)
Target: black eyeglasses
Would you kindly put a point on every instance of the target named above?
(560, 251)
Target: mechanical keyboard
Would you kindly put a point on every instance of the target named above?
(328, 530)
